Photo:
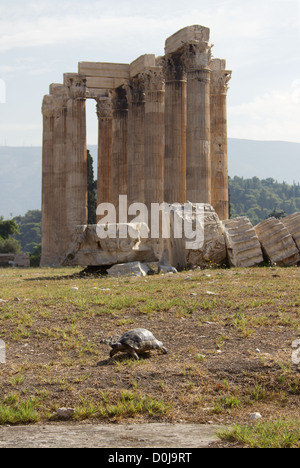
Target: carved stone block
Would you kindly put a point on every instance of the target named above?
(243, 246)
(277, 243)
(211, 249)
(292, 223)
(88, 249)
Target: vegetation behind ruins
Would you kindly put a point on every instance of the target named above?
(258, 199)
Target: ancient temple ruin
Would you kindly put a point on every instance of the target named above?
(162, 135)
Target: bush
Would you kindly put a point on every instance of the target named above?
(10, 246)
(35, 257)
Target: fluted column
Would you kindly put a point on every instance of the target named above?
(175, 130)
(104, 189)
(64, 168)
(76, 155)
(154, 136)
(136, 139)
(47, 181)
(61, 238)
(119, 144)
(198, 160)
(219, 155)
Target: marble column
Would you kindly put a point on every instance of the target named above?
(198, 159)
(76, 155)
(64, 190)
(61, 238)
(119, 144)
(105, 116)
(136, 140)
(47, 181)
(175, 130)
(154, 136)
(219, 154)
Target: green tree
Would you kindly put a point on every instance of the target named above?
(259, 199)
(29, 230)
(9, 246)
(8, 228)
(278, 214)
(35, 257)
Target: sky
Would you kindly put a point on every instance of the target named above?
(40, 40)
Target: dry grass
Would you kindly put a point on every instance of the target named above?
(228, 333)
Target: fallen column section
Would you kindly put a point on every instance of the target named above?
(277, 243)
(243, 246)
(292, 223)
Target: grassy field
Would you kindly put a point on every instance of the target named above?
(228, 332)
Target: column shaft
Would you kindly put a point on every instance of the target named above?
(175, 132)
(198, 160)
(219, 153)
(104, 189)
(119, 145)
(60, 237)
(136, 140)
(76, 166)
(154, 138)
(47, 181)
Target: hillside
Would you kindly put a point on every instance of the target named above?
(20, 180)
(257, 198)
(20, 169)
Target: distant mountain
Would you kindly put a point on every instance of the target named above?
(20, 180)
(21, 168)
(277, 159)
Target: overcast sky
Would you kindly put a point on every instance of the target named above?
(260, 39)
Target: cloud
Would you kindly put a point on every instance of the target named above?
(2, 91)
(258, 39)
(46, 25)
(272, 116)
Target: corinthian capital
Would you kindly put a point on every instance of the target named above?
(119, 99)
(220, 77)
(136, 90)
(173, 66)
(154, 79)
(76, 85)
(48, 106)
(60, 98)
(104, 108)
(197, 55)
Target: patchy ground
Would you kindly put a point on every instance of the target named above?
(229, 337)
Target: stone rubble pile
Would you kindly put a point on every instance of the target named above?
(235, 242)
(272, 240)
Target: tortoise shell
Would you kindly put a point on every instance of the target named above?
(140, 339)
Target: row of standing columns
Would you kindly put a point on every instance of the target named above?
(131, 141)
(162, 137)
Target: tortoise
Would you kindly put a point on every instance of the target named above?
(135, 342)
